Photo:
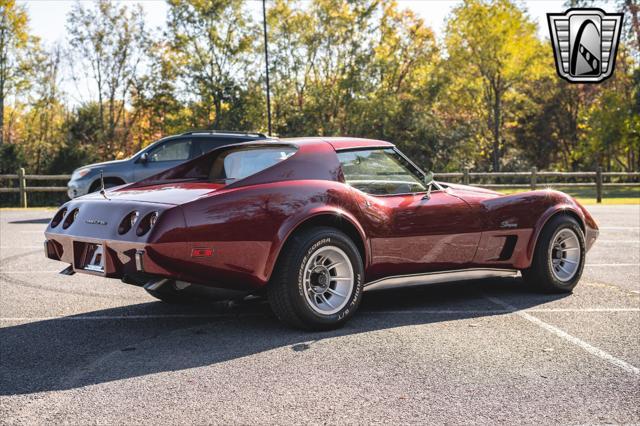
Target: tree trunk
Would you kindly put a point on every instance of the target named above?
(1, 119)
(218, 109)
(634, 10)
(496, 130)
(2, 82)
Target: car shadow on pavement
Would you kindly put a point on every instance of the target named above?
(147, 338)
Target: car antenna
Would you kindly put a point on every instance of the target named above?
(102, 191)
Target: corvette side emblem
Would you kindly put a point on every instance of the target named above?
(508, 224)
(585, 42)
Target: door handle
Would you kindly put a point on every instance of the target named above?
(367, 203)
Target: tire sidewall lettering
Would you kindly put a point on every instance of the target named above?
(356, 294)
(304, 261)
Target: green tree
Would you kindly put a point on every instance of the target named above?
(398, 104)
(610, 128)
(492, 45)
(212, 40)
(43, 121)
(108, 44)
(14, 41)
(156, 96)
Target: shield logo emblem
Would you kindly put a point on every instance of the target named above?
(585, 42)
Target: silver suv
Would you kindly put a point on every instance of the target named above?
(160, 155)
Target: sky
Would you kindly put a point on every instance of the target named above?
(48, 17)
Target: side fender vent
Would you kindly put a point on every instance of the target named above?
(509, 246)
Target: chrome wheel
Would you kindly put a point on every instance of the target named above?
(564, 254)
(328, 280)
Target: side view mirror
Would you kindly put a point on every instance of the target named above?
(143, 158)
(428, 180)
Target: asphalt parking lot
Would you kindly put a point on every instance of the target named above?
(82, 350)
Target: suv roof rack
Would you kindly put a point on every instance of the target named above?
(223, 132)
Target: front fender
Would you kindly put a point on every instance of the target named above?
(564, 208)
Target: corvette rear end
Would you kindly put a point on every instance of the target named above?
(139, 233)
(114, 238)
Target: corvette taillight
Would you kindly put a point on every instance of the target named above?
(128, 222)
(58, 217)
(71, 217)
(146, 223)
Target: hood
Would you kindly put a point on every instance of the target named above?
(96, 166)
(167, 193)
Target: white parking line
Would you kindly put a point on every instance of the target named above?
(620, 227)
(501, 311)
(589, 265)
(581, 310)
(20, 247)
(568, 337)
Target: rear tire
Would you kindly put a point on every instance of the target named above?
(318, 281)
(558, 259)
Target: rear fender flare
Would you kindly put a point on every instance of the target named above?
(288, 228)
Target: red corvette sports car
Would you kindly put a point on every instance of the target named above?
(312, 223)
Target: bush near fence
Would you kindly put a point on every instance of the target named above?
(22, 190)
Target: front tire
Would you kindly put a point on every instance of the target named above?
(558, 259)
(318, 281)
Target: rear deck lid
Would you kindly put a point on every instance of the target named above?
(166, 193)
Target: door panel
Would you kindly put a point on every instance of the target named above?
(409, 234)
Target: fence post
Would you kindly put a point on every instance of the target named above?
(599, 184)
(465, 176)
(22, 183)
(534, 178)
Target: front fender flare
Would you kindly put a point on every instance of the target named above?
(540, 224)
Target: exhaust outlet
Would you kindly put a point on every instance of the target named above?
(68, 270)
(156, 284)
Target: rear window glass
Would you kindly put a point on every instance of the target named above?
(239, 163)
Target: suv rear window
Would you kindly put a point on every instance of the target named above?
(177, 150)
(205, 145)
(239, 163)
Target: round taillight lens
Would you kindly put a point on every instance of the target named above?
(71, 217)
(58, 217)
(128, 222)
(153, 219)
(147, 223)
